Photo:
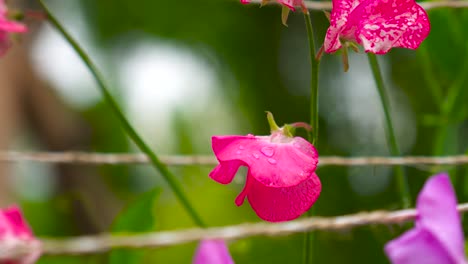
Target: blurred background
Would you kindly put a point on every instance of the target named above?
(186, 70)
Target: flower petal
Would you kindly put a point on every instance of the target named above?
(282, 204)
(418, 245)
(437, 212)
(273, 164)
(14, 231)
(11, 26)
(15, 222)
(382, 25)
(212, 252)
(339, 16)
(225, 171)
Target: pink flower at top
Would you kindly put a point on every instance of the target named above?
(212, 252)
(288, 3)
(7, 26)
(14, 231)
(437, 237)
(377, 25)
(281, 183)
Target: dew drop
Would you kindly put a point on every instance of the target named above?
(268, 151)
(272, 161)
(255, 155)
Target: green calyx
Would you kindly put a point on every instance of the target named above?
(286, 130)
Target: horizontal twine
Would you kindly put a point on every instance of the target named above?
(106, 242)
(313, 5)
(186, 160)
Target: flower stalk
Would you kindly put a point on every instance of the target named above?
(390, 131)
(131, 132)
(314, 121)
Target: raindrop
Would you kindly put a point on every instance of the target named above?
(272, 161)
(268, 151)
(255, 155)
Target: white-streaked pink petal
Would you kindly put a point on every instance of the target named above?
(338, 19)
(381, 25)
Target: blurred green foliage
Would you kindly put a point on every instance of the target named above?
(247, 40)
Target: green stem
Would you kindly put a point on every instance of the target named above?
(391, 138)
(157, 164)
(309, 240)
(314, 118)
(309, 236)
(429, 77)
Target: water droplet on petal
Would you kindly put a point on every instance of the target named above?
(255, 155)
(238, 152)
(268, 151)
(272, 161)
(241, 147)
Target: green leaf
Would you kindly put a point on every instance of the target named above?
(138, 217)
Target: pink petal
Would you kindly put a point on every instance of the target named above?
(416, 32)
(281, 204)
(338, 19)
(225, 171)
(212, 252)
(10, 26)
(245, 1)
(437, 212)
(13, 231)
(382, 25)
(274, 164)
(16, 223)
(418, 246)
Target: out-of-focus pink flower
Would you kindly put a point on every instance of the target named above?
(6, 27)
(291, 4)
(281, 182)
(212, 252)
(437, 237)
(14, 232)
(377, 25)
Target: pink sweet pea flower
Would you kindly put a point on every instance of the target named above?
(437, 237)
(14, 232)
(281, 182)
(7, 26)
(378, 25)
(288, 3)
(212, 252)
